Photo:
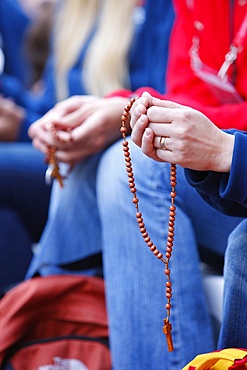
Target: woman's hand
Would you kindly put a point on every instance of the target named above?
(85, 125)
(173, 133)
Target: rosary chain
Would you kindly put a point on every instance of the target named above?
(170, 237)
(53, 170)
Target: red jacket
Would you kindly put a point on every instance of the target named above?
(215, 23)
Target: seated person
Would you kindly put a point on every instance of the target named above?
(215, 163)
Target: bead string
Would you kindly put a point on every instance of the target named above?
(170, 237)
(53, 170)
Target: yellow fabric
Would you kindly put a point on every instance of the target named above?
(220, 360)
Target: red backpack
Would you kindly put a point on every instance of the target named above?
(55, 322)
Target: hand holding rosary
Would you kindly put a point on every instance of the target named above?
(167, 328)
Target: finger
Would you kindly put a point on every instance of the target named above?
(71, 120)
(136, 113)
(72, 156)
(167, 104)
(138, 129)
(143, 100)
(41, 146)
(68, 105)
(162, 142)
(162, 129)
(147, 144)
(165, 156)
(64, 137)
(160, 115)
(44, 135)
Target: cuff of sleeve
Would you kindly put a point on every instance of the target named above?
(234, 188)
(206, 181)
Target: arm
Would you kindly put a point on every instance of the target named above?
(216, 159)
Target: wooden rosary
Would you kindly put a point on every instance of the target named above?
(167, 328)
(53, 170)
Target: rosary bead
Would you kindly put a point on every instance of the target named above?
(131, 185)
(168, 255)
(153, 248)
(147, 240)
(173, 183)
(173, 194)
(173, 208)
(144, 235)
(171, 229)
(168, 290)
(143, 230)
(159, 256)
(169, 244)
(167, 271)
(168, 283)
(135, 200)
(128, 160)
(150, 243)
(156, 252)
(123, 130)
(168, 295)
(138, 214)
(171, 223)
(133, 190)
(168, 306)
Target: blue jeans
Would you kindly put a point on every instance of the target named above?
(24, 200)
(73, 230)
(134, 277)
(233, 331)
(94, 212)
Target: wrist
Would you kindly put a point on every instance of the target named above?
(226, 153)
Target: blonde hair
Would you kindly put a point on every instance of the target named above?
(105, 67)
